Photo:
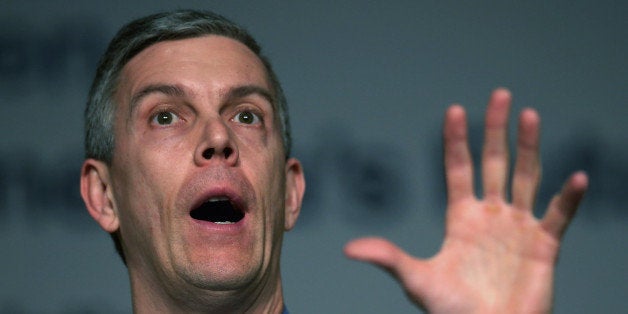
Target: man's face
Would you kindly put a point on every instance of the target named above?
(201, 186)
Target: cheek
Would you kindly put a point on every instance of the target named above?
(156, 163)
(143, 209)
(146, 184)
(161, 152)
(135, 197)
(273, 182)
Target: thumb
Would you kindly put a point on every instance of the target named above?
(383, 253)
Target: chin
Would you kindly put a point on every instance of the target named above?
(219, 273)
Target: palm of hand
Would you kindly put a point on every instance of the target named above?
(496, 256)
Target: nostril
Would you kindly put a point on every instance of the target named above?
(208, 153)
(228, 151)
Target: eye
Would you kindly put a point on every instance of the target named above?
(247, 117)
(165, 118)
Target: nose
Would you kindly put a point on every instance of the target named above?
(216, 145)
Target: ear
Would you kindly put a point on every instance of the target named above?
(295, 187)
(97, 193)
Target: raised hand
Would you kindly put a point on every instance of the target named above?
(496, 256)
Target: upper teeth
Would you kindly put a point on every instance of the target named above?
(218, 199)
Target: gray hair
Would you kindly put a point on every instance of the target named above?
(139, 35)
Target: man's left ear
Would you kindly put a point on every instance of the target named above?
(295, 187)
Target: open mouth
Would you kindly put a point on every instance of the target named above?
(219, 210)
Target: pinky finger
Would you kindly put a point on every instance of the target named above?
(563, 206)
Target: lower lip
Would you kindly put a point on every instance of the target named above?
(221, 228)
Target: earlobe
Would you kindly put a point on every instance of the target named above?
(96, 191)
(295, 188)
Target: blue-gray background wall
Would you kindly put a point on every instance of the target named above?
(368, 83)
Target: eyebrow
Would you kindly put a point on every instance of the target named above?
(178, 91)
(247, 90)
(166, 89)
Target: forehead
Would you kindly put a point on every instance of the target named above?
(214, 62)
